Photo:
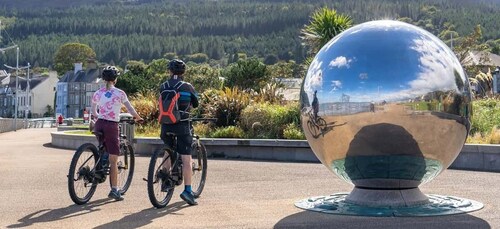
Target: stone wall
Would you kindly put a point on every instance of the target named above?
(472, 157)
(7, 124)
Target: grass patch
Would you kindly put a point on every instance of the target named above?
(79, 132)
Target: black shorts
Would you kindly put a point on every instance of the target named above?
(184, 137)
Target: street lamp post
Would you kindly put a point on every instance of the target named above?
(17, 68)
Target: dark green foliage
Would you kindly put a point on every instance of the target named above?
(203, 77)
(271, 59)
(486, 116)
(324, 25)
(119, 31)
(142, 77)
(197, 58)
(49, 112)
(71, 53)
(246, 74)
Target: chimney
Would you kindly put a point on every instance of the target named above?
(78, 67)
(91, 64)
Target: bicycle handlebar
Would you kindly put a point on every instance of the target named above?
(202, 119)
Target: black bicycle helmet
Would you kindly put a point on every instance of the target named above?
(110, 73)
(177, 67)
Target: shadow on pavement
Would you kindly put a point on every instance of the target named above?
(309, 219)
(49, 145)
(49, 215)
(144, 217)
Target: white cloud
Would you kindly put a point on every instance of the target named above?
(340, 61)
(314, 77)
(363, 76)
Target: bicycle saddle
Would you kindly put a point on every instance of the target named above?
(171, 134)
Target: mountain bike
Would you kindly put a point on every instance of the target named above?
(87, 168)
(165, 169)
(315, 124)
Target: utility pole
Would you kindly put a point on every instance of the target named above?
(2, 50)
(17, 85)
(28, 88)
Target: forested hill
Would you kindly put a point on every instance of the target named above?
(121, 30)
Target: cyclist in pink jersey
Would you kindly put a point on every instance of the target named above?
(109, 100)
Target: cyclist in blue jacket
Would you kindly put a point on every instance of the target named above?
(182, 129)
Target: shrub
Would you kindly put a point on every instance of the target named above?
(202, 129)
(292, 131)
(486, 114)
(225, 105)
(203, 77)
(270, 93)
(246, 74)
(493, 137)
(264, 120)
(228, 132)
(146, 105)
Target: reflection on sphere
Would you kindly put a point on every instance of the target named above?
(386, 104)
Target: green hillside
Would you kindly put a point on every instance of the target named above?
(119, 31)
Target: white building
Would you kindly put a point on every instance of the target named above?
(40, 95)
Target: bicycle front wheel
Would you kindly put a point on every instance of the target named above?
(160, 186)
(199, 164)
(81, 185)
(125, 164)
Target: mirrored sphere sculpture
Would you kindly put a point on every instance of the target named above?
(386, 107)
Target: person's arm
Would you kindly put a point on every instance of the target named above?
(194, 98)
(93, 108)
(131, 110)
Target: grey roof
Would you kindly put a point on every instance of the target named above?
(86, 76)
(475, 56)
(35, 81)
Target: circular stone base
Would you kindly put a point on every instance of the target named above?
(438, 205)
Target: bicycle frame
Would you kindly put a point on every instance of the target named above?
(173, 147)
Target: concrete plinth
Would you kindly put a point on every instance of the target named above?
(387, 198)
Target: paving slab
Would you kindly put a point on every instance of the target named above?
(238, 194)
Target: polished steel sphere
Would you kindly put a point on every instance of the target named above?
(386, 105)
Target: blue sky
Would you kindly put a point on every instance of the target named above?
(382, 60)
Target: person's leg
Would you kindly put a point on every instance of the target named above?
(184, 147)
(167, 140)
(187, 169)
(113, 148)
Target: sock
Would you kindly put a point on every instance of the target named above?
(115, 188)
(187, 188)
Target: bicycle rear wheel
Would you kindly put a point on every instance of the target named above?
(81, 185)
(199, 162)
(160, 187)
(126, 165)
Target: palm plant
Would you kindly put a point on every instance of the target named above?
(324, 25)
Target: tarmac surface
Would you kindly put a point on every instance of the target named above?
(238, 194)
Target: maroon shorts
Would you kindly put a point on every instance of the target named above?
(110, 137)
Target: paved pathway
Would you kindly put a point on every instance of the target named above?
(239, 194)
